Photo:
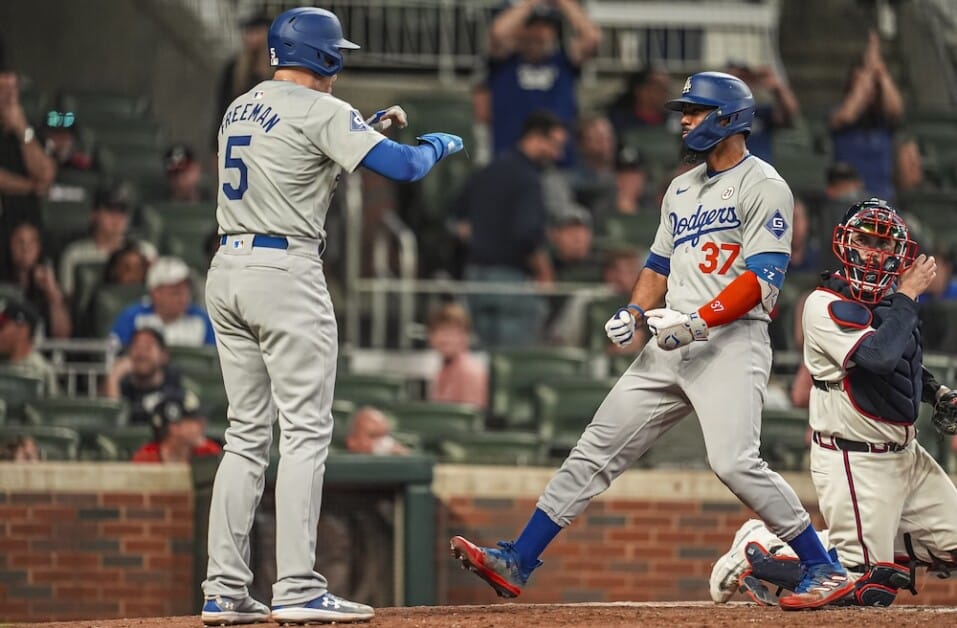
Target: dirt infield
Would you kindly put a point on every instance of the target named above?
(615, 615)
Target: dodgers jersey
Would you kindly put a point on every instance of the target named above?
(281, 150)
(827, 354)
(712, 222)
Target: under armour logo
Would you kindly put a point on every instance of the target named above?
(330, 601)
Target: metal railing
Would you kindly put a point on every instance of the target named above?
(79, 363)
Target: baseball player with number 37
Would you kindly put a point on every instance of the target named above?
(718, 261)
(282, 148)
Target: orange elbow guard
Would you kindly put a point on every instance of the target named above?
(737, 299)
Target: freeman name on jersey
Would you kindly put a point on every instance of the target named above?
(255, 112)
(702, 222)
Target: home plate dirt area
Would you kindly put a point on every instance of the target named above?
(642, 614)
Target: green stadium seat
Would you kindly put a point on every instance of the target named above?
(108, 302)
(130, 134)
(434, 421)
(375, 390)
(211, 391)
(89, 180)
(129, 438)
(64, 221)
(82, 414)
(597, 313)
(10, 291)
(514, 373)
(341, 412)
(55, 442)
(18, 390)
(3, 411)
(565, 407)
(682, 447)
(192, 360)
(634, 229)
(94, 106)
(185, 229)
(494, 448)
(99, 448)
(783, 434)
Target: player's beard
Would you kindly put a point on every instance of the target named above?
(692, 157)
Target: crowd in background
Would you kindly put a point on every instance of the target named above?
(538, 211)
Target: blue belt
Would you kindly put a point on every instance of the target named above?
(264, 241)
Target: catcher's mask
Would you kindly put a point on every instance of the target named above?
(874, 246)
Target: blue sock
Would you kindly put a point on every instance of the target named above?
(538, 533)
(808, 547)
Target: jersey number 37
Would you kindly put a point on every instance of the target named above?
(232, 162)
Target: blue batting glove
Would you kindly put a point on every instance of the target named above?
(445, 144)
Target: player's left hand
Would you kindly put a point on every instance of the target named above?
(385, 118)
(945, 413)
(674, 329)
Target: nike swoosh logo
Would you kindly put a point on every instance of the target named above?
(681, 190)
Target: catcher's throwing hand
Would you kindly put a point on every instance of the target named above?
(945, 413)
(674, 329)
(384, 118)
(620, 328)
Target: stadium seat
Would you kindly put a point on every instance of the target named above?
(634, 229)
(939, 326)
(55, 442)
(514, 373)
(375, 390)
(3, 411)
(597, 313)
(95, 415)
(89, 180)
(130, 438)
(87, 278)
(99, 106)
(432, 422)
(564, 407)
(108, 302)
(341, 411)
(132, 134)
(64, 221)
(17, 390)
(211, 391)
(680, 448)
(192, 360)
(783, 434)
(10, 291)
(494, 448)
(185, 229)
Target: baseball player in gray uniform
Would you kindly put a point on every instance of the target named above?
(718, 260)
(282, 147)
(888, 504)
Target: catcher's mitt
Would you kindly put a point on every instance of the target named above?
(945, 413)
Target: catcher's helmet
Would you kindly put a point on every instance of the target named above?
(731, 99)
(873, 244)
(308, 38)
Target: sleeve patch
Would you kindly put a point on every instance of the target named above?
(776, 224)
(849, 315)
(356, 123)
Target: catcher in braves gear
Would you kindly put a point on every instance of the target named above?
(889, 506)
(718, 260)
(282, 148)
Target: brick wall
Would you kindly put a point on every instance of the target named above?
(651, 540)
(85, 554)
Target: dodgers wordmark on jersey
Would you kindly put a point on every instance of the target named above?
(302, 140)
(712, 222)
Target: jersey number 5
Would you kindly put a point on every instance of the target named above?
(711, 253)
(236, 193)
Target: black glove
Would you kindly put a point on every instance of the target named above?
(945, 413)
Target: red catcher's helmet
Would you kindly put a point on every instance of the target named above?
(874, 246)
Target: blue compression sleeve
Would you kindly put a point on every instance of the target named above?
(659, 264)
(400, 162)
(770, 267)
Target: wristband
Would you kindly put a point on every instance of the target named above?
(636, 309)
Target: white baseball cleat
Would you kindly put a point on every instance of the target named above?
(326, 608)
(728, 569)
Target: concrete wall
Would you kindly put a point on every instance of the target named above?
(146, 47)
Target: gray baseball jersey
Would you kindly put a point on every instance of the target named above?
(281, 150)
(711, 223)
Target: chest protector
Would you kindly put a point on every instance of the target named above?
(895, 397)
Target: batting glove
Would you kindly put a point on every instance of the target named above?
(383, 118)
(674, 329)
(445, 144)
(621, 327)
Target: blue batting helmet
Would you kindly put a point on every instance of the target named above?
(731, 99)
(308, 38)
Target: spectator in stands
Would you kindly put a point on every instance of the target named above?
(642, 102)
(529, 69)
(864, 123)
(26, 171)
(593, 179)
(109, 222)
(844, 187)
(776, 106)
(168, 308)
(184, 175)
(62, 142)
(369, 433)
(619, 273)
(143, 375)
(569, 240)
(179, 432)
(805, 250)
(249, 67)
(29, 269)
(631, 182)
(18, 326)
(908, 166)
(501, 217)
(943, 287)
(127, 266)
(462, 378)
(20, 449)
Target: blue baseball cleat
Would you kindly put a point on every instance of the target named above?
(325, 608)
(224, 611)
